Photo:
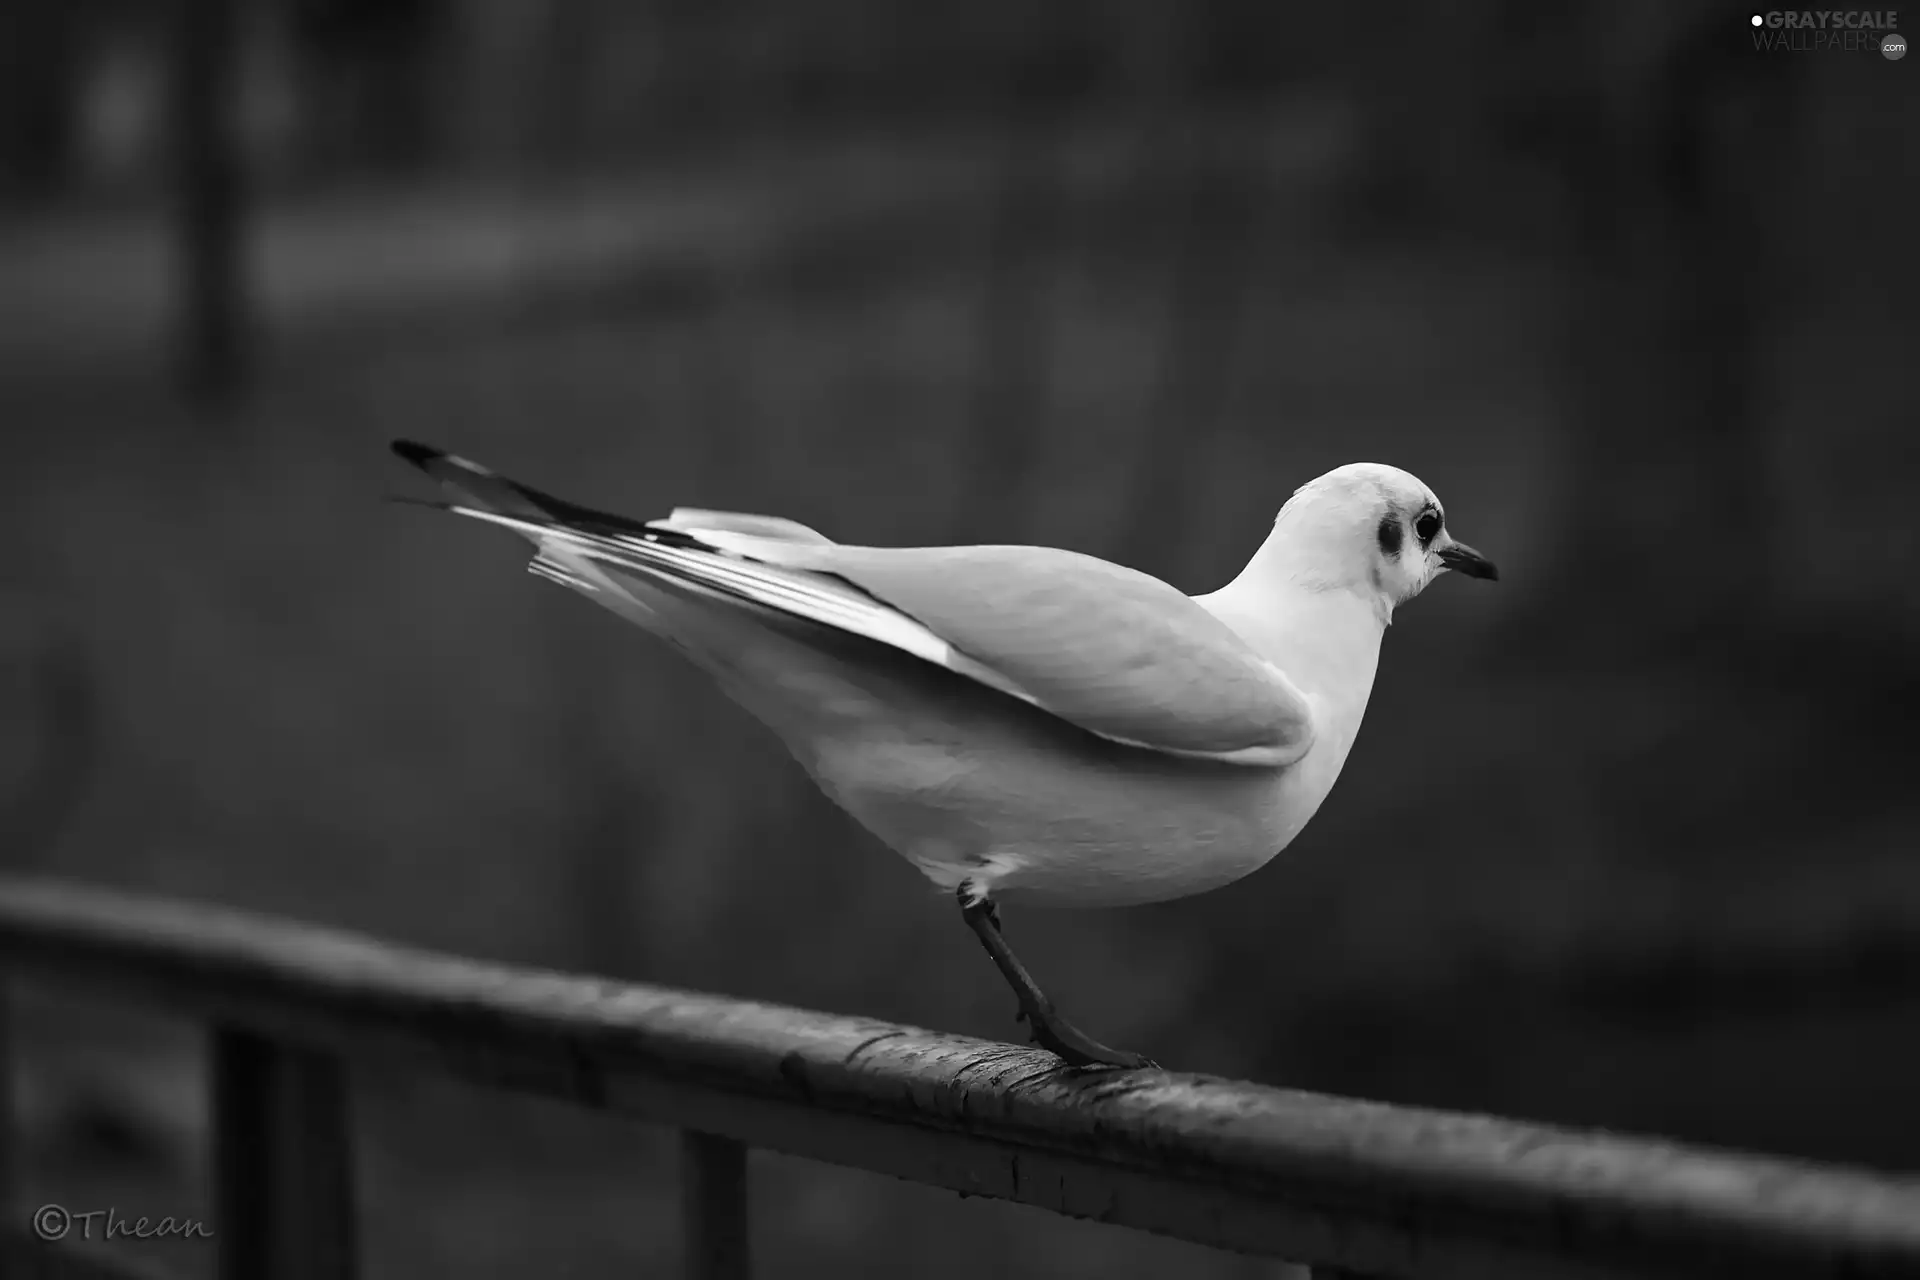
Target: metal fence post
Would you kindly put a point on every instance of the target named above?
(282, 1161)
(713, 1180)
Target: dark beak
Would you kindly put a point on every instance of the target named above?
(1462, 558)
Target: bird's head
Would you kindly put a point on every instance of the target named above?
(1373, 529)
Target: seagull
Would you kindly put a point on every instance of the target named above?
(1025, 725)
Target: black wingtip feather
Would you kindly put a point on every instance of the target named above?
(477, 486)
(420, 455)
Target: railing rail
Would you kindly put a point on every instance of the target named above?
(1348, 1186)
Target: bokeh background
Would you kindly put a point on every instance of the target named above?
(1629, 839)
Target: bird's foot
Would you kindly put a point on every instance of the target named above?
(1075, 1047)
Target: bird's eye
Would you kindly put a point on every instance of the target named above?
(1427, 527)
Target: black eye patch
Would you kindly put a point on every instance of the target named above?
(1390, 537)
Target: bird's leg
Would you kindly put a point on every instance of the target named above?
(1050, 1030)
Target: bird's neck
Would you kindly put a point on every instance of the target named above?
(1325, 637)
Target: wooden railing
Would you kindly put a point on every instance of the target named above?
(1351, 1188)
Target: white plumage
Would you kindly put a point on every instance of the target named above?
(1026, 724)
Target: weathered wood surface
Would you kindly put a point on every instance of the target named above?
(1379, 1190)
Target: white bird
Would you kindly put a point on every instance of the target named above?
(1026, 724)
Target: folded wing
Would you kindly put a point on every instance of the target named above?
(1116, 652)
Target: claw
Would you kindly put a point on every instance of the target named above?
(1078, 1049)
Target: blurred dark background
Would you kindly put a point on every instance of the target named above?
(1629, 839)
